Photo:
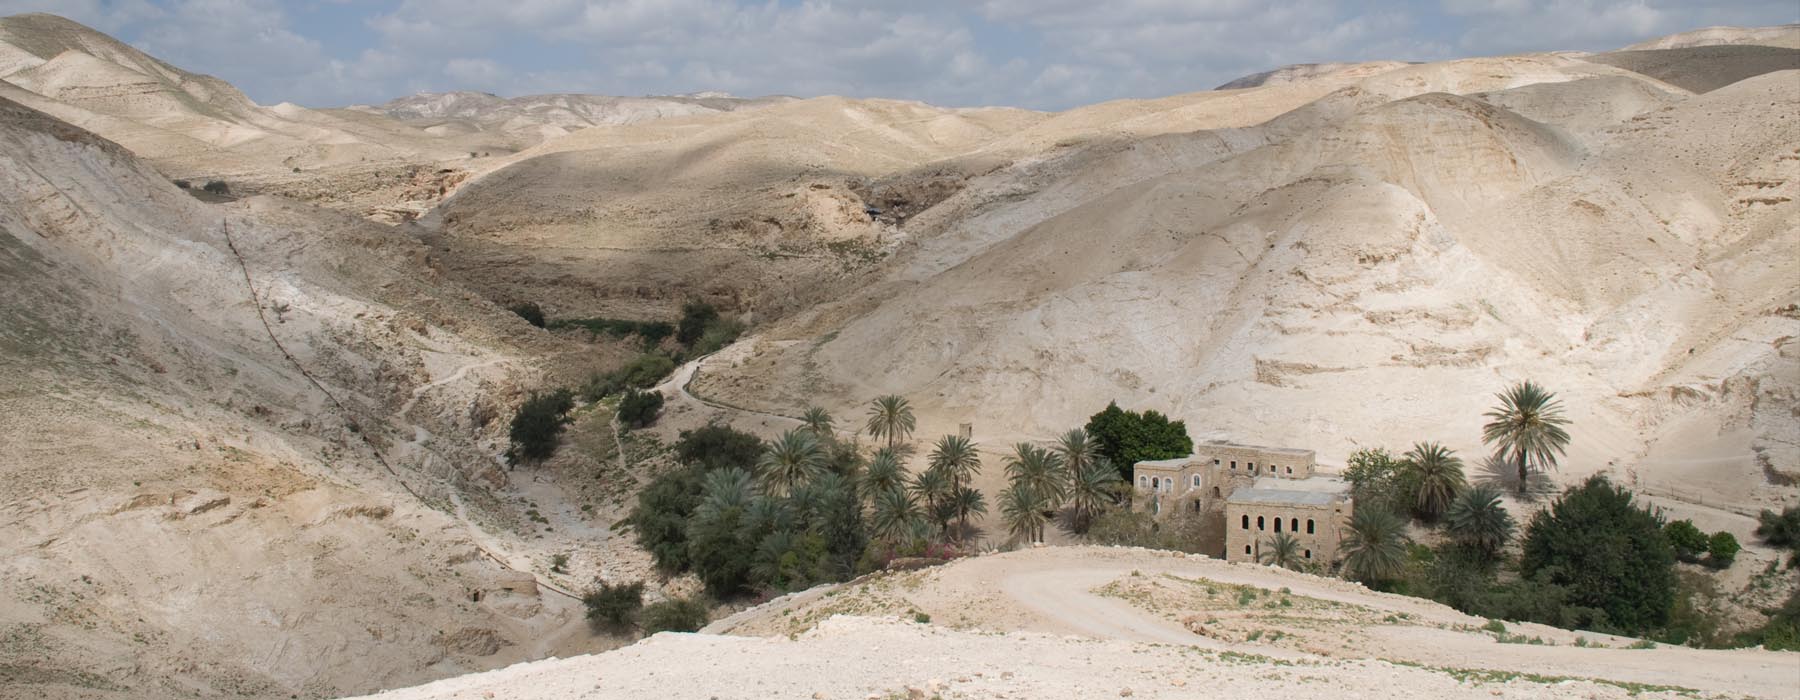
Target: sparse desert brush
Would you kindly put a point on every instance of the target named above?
(614, 605)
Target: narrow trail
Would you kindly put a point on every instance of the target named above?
(419, 391)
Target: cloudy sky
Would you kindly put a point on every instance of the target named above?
(1045, 54)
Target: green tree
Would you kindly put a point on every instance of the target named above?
(1781, 530)
(1374, 477)
(934, 489)
(539, 423)
(717, 446)
(696, 315)
(818, 422)
(1091, 490)
(965, 501)
(614, 605)
(1023, 508)
(1606, 552)
(674, 615)
(1528, 425)
(792, 459)
(1281, 550)
(894, 515)
(1687, 541)
(957, 457)
(719, 549)
(1435, 473)
(1374, 546)
(1477, 520)
(890, 418)
(640, 408)
(884, 473)
(1129, 437)
(1041, 471)
(1077, 450)
(1721, 549)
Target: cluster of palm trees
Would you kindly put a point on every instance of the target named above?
(1527, 428)
(1042, 480)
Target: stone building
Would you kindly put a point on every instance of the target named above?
(1254, 493)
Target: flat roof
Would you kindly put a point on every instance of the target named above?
(1295, 451)
(1175, 463)
(1283, 496)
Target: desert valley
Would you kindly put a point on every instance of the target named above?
(705, 396)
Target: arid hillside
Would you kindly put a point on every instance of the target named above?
(1367, 269)
(532, 119)
(250, 449)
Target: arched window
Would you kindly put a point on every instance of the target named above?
(1259, 523)
(1234, 465)
(1278, 524)
(1196, 503)
(1246, 522)
(1290, 470)
(1143, 481)
(1293, 524)
(1196, 481)
(1271, 469)
(1309, 526)
(1246, 549)
(1306, 553)
(1215, 492)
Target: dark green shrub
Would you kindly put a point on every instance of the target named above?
(1375, 481)
(640, 408)
(661, 516)
(719, 333)
(1129, 437)
(641, 372)
(530, 311)
(1689, 542)
(1606, 553)
(718, 446)
(652, 332)
(217, 187)
(1781, 531)
(614, 605)
(1721, 550)
(538, 424)
(695, 316)
(674, 615)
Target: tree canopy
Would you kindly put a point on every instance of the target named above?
(1606, 552)
(1129, 437)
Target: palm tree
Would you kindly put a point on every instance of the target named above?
(1529, 424)
(1374, 547)
(1091, 490)
(883, 473)
(934, 488)
(790, 460)
(964, 501)
(1023, 508)
(890, 417)
(957, 457)
(1076, 449)
(1438, 473)
(818, 422)
(723, 490)
(895, 515)
(1281, 550)
(1040, 470)
(1477, 519)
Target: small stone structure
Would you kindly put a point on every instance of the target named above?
(1257, 492)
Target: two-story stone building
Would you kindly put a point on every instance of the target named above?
(1255, 493)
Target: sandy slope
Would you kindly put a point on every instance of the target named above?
(1091, 622)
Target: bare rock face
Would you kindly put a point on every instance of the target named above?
(472, 641)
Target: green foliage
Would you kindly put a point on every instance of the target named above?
(790, 460)
(1435, 475)
(696, 315)
(530, 311)
(1282, 550)
(1023, 508)
(641, 372)
(1477, 520)
(1129, 437)
(1374, 478)
(559, 563)
(674, 615)
(921, 618)
(719, 333)
(538, 424)
(1782, 631)
(640, 408)
(721, 545)
(1374, 546)
(661, 516)
(217, 187)
(1494, 626)
(1091, 490)
(1721, 550)
(818, 422)
(718, 446)
(890, 418)
(895, 515)
(614, 605)
(1688, 541)
(651, 332)
(1781, 530)
(1607, 553)
(1528, 425)
(1041, 471)
(1180, 531)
